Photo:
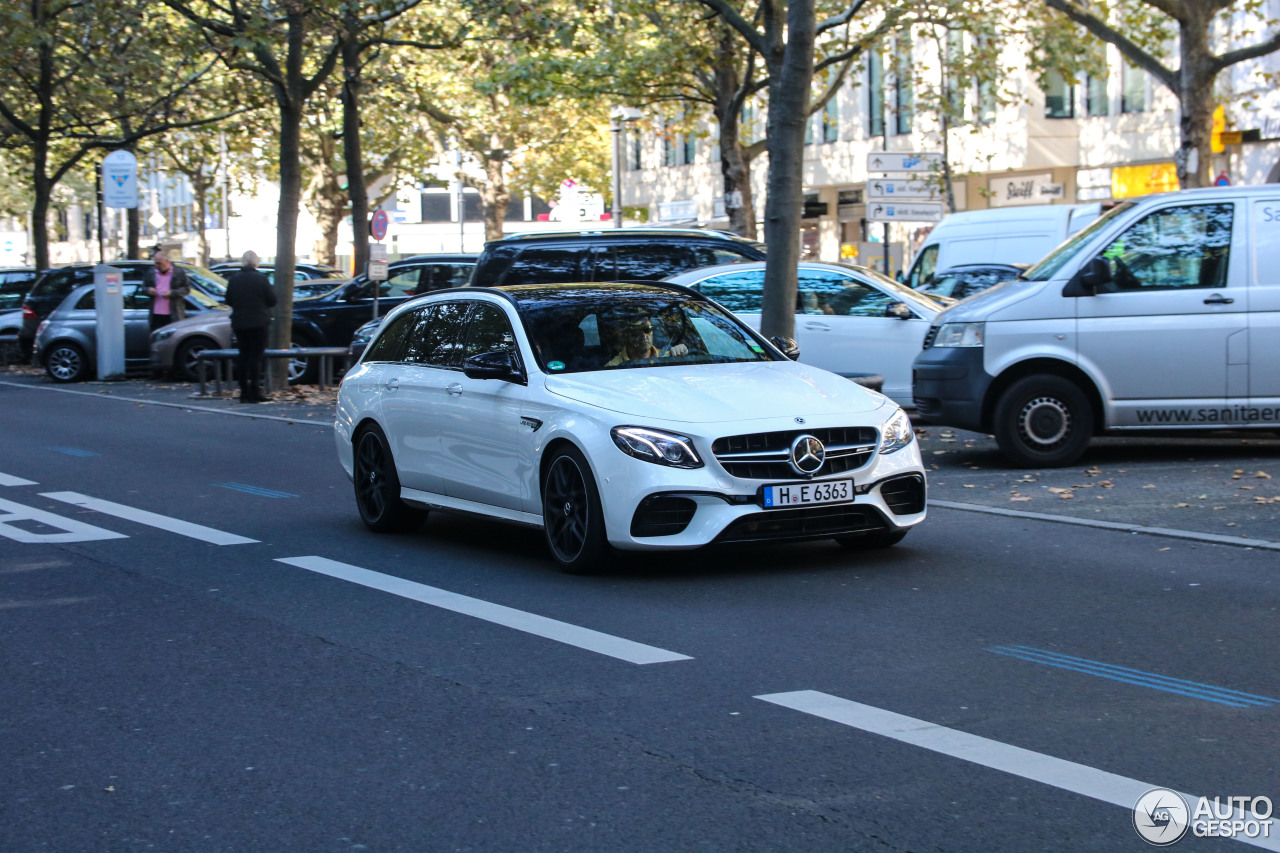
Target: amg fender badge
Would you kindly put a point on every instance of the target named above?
(532, 423)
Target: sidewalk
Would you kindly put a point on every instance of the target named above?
(303, 403)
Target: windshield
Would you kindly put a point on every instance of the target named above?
(1054, 261)
(596, 330)
(208, 280)
(206, 301)
(900, 291)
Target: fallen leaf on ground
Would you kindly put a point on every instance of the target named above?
(1020, 498)
(1262, 475)
(1180, 505)
(1149, 486)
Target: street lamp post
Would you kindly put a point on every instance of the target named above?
(619, 118)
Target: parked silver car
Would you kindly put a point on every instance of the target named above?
(67, 340)
(176, 348)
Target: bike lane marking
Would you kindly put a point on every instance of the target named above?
(71, 530)
(1056, 772)
(498, 614)
(151, 519)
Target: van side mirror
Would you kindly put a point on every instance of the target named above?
(1091, 277)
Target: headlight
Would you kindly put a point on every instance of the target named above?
(661, 448)
(161, 334)
(959, 335)
(896, 433)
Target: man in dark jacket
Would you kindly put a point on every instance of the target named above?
(251, 298)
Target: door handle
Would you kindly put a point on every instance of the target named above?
(454, 389)
(1218, 299)
(391, 384)
(817, 327)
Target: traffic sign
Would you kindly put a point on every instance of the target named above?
(905, 211)
(378, 224)
(895, 188)
(903, 161)
(120, 180)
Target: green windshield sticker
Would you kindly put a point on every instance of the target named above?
(755, 348)
(556, 365)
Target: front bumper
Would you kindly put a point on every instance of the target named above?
(889, 494)
(949, 385)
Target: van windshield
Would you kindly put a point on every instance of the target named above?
(1054, 261)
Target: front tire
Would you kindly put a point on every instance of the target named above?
(571, 515)
(1043, 421)
(186, 361)
(66, 362)
(377, 486)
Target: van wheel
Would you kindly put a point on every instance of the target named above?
(1043, 421)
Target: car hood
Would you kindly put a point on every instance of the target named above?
(707, 393)
(984, 304)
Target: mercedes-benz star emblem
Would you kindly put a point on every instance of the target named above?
(807, 455)
(799, 420)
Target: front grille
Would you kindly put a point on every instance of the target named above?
(929, 336)
(904, 495)
(764, 455)
(662, 515)
(809, 523)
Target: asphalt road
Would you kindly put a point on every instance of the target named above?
(244, 667)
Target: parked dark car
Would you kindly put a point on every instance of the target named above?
(52, 286)
(15, 283)
(308, 279)
(968, 279)
(329, 320)
(623, 254)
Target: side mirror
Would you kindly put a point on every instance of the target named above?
(492, 365)
(1091, 277)
(898, 309)
(789, 347)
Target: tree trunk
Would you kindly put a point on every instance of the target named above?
(42, 192)
(790, 65)
(494, 196)
(1195, 96)
(352, 153)
(200, 189)
(735, 168)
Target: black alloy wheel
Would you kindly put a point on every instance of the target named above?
(66, 362)
(377, 486)
(1043, 421)
(572, 518)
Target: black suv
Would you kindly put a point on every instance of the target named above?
(624, 254)
(329, 320)
(52, 286)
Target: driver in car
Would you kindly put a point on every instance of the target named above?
(637, 343)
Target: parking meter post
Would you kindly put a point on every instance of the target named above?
(376, 271)
(108, 299)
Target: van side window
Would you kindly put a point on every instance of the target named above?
(545, 266)
(923, 269)
(1173, 248)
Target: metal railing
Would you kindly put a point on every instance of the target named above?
(223, 359)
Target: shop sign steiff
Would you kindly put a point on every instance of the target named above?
(1025, 189)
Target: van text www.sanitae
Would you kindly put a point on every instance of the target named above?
(1227, 415)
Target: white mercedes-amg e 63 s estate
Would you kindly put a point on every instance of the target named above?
(630, 416)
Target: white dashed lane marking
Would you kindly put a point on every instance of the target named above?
(1059, 773)
(151, 519)
(530, 623)
(10, 480)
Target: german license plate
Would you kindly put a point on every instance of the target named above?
(807, 494)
